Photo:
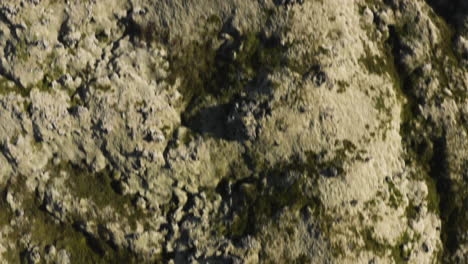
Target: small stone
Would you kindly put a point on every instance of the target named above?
(116, 175)
(63, 257)
(320, 78)
(406, 251)
(123, 187)
(368, 15)
(317, 75)
(99, 162)
(448, 92)
(51, 250)
(11, 200)
(56, 161)
(154, 134)
(140, 203)
(34, 256)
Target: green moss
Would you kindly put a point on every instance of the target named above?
(302, 259)
(380, 104)
(5, 212)
(45, 84)
(398, 253)
(45, 230)
(342, 86)
(433, 198)
(448, 59)
(205, 71)
(95, 187)
(417, 153)
(99, 188)
(8, 86)
(396, 198)
(214, 20)
(374, 64)
(411, 212)
(194, 63)
(104, 88)
(212, 76)
(102, 37)
(166, 130)
(187, 137)
(82, 249)
(371, 244)
(22, 53)
(263, 202)
(424, 139)
(382, 249)
(239, 225)
(303, 64)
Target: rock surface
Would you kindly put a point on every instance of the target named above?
(236, 131)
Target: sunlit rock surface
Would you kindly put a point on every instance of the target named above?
(260, 131)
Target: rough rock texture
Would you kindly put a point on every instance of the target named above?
(235, 131)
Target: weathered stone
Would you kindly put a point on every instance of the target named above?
(233, 131)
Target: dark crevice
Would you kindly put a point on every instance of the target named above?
(105, 252)
(453, 11)
(212, 78)
(93, 243)
(4, 18)
(10, 77)
(169, 212)
(447, 207)
(425, 145)
(259, 198)
(208, 120)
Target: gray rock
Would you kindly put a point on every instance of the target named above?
(232, 131)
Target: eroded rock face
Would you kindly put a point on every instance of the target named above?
(233, 131)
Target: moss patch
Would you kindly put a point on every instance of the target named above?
(45, 231)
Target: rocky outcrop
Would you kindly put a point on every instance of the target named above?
(233, 131)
